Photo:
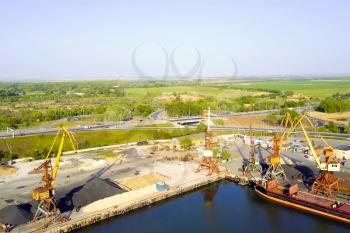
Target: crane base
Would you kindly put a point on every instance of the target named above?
(253, 168)
(275, 173)
(45, 209)
(325, 183)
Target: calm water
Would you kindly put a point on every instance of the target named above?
(223, 207)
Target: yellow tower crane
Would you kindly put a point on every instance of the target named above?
(45, 193)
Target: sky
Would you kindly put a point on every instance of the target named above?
(99, 39)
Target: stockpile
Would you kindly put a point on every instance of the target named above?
(128, 197)
(15, 215)
(94, 190)
(131, 152)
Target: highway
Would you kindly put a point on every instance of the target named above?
(126, 125)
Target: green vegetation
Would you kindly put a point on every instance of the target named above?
(347, 129)
(218, 122)
(336, 103)
(202, 127)
(225, 155)
(190, 108)
(272, 119)
(144, 110)
(330, 127)
(276, 118)
(35, 104)
(36, 146)
(186, 143)
(312, 88)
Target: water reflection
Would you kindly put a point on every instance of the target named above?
(210, 192)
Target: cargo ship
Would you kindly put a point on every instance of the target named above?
(292, 197)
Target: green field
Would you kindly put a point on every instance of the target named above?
(311, 88)
(26, 146)
(25, 105)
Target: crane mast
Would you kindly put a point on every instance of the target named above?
(253, 164)
(45, 193)
(275, 169)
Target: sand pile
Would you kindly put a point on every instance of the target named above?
(7, 170)
(143, 180)
(123, 198)
(94, 190)
(15, 215)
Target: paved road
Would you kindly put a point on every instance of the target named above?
(156, 115)
(126, 127)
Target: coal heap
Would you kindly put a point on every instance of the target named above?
(94, 190)
(15, 215)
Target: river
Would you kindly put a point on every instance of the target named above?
(221, 207)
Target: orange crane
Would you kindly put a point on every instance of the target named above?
(207, 160)
(275, 169)
(253, 165)
(326, 181)
(45, 193)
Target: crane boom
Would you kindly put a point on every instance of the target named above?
(67, 134)
(310, 145)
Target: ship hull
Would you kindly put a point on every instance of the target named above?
(299, 205)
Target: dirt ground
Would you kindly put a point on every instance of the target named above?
(141, 181)
(339, 117)
(7, 170)
(256, 121)
(171, 97)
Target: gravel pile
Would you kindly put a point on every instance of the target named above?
(94, 190)
(15, 215)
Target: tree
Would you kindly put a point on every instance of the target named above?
(186, 143)
(331, 105)
(143, 110)
(332, 127)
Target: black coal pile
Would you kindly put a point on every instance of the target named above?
(15, 215)
(94, 190)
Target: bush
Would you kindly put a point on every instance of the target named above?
(347, 129)
(186, 143)
(201, 128)
(272, 119)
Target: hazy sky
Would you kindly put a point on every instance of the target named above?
(63, 39)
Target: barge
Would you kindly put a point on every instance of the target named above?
(292, 197)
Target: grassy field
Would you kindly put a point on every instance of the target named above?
(311, 88)
(26, 146)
